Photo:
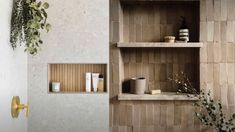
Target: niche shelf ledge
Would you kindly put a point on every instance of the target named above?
(162, 96)
(159, 45)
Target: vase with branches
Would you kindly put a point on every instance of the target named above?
(208, 111)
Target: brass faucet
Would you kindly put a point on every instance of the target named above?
(16, 107)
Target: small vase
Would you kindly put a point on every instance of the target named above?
(138, 85)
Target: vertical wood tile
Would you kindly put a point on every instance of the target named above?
(230, 31)
(223, 53)
(217, 33)
(223, 28)
(230, 53)
(177, 114)
(216, 73)
(231, 10)
(224, 95)
(170, 114)
(217, 52)
(217, 10)
(122, 115)
(116, 33)
(116, 115)
(210, 10)
(209, 73)
(203, 31)
(210, 52)
(129, 109)
(210, 31)
(230, 74)
(223, 73)
(231, 95)
(203, 53)
(156, 113)
(163, 112)
(203, 11)
(143, 115)
(136, 116)
(150, 113)
(224, 10)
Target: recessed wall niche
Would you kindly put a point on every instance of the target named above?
(159, 64)
(150, 21)
(72, 76)
(142, 51)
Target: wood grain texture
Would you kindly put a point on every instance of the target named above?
(150, 22)
(217, 63)
(72, 76)
(158, 45)
(158, 67)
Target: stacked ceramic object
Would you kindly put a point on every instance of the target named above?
(184, 31)
(184, 35)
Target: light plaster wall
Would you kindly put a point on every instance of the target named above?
(79, 34)
(13, 74)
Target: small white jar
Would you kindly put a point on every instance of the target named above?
(55, 86)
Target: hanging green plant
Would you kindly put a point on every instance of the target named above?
(29, 17)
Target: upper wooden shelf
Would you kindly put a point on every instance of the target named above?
(162, 96)
(157, 0)
(158, 44)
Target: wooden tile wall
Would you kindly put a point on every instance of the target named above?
(72, 76)
(159, 64)
(217, 71)
(149, 22)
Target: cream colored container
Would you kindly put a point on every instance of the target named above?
(55, 86)
(169, 39)
(138, 85)
(101, 84)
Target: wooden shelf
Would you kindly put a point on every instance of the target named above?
(159, 45)
(72, 76)
(158, 0)
(78, 92)
(162, 96)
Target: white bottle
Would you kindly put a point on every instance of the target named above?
(88, 82)
(95, 78)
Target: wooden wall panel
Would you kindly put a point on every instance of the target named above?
(217, 66)
(72, 76)
(150, 22)
(158, 67)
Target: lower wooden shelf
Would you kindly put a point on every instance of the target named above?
(78, 92)
(162, 96)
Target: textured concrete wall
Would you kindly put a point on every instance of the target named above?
(217, 72)
(79, 35)
(13, 74)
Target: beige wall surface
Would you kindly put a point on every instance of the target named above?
(13, 74)
(79, 34)
(217, 72)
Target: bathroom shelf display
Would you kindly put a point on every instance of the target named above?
(162, 96)
(158, 45)
(72, 77)
(139, 50)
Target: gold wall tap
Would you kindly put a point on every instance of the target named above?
(16, 107)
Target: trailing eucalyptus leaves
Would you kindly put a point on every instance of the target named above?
(29, 17)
